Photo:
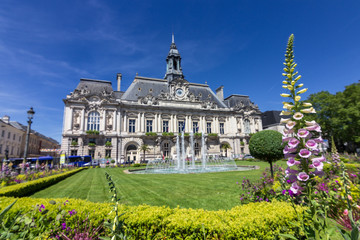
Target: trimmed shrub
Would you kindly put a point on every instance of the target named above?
(150, 134)
(168, 134)
(252, 221)
(27, 188)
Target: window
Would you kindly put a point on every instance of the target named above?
(247, 126)
(12, 150)
(0, 148)
(208, 127)
(107, 140)
(166, 149)
(131, 125)
(92, 140)
(197, 149)
(165, 126)
(195, 127)
(14, 137)
(9, 133)
(3, 133)
(180, 124)
(92, 153)
(222, 128)
(93, 121)
(73, 153)
(108, 153)
(19, 138)
(74, 140)
(149, 125)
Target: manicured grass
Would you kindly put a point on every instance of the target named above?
(210, 191)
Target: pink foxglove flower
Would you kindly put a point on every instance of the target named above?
(304, 153)
(295, 188)
(293, 143)
(318, 140)
(291, 162)
(290, 124)
(298, 116)
(311, 144)
(289, 150)
(314, 127)
(321, 159)
(318, 165)
(303, 176)
(303, 133)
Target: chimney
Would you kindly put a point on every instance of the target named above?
(6, 119)
(118, 81)
(220, 93)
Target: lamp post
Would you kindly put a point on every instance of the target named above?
(30, 113)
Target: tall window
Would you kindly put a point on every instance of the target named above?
(180, 124)
(166, 149)
(19, 138)
(0, 148)
(222, 128)
(14, 137)
(165, 126)
(92, 153)
(131, 125)
(247, 126)
(73, 153)
(149, 125)
(9, 133)
(93, 121)
(195, 127)
(108, 153)
(208, 127)
(197, 149)
(3, 133)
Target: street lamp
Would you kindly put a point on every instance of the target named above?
(30, 114)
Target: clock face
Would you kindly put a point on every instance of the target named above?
(179, 92)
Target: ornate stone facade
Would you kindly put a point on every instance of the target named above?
(101, 122)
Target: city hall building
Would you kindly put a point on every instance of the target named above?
(107, 123)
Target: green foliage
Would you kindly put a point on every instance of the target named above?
(267, 146)
(108, 144)
(186, 134)
(91, 144)
(225, 146)
(92, 132)
(213, 135)
(242, 143)
(339, 114)
(27, 188)
(252, 221)
(151, 134)
(168, 134)
(74, 143)
(197, 135)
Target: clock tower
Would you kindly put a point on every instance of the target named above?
(173, 63)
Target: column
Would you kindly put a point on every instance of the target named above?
(125, 122)
(159, 123)
(142, 122)
(175, 124)
(102, 128)
(138, 123)
(70, 118)
(82, 123)
(171, 123)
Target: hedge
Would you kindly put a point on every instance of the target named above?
(28, 188)
(261, 220)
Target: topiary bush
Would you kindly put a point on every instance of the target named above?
(267, 146)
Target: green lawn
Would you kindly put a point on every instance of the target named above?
(210, 191)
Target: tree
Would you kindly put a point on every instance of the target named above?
(339, 115)
(225, 146)
(145, 148)
(267, 146)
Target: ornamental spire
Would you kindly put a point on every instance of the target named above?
(173, 62)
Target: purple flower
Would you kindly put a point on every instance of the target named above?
(303, 133)
(303, 176)
(41, 207)
(288, 150)
(317, 164)
(290, 124)
(313, 126)
(311, 144)
(293, 143)
(63, 226)
(72, 212)
(321, 159)
(292, 162)
(318, 140)
(295, 188)
(304, 153)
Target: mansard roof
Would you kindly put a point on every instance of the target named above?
(94, 86)
(143, 86)
(236, 99)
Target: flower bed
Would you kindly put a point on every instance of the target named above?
(12, 177)
(252, 221)
(27, 188)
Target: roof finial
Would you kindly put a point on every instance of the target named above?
(172, 40)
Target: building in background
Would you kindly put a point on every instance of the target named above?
(271, 120)
(13, 136)
(101, 122)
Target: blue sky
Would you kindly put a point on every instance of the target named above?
(47, 46)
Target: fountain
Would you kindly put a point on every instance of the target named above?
(184, 164)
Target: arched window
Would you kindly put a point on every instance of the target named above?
(93, 121)
(247, 126)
